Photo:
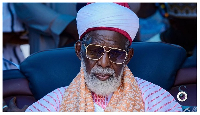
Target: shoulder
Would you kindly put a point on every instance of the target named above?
(156, 98)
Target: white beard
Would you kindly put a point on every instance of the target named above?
(103, 88)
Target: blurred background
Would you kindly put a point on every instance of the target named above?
(32, 27)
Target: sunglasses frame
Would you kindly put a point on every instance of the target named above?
(104, 52)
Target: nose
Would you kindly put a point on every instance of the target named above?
(104, 61)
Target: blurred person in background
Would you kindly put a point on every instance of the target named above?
(151, 21)
(50, 25)
(183, 26)
(14, 35)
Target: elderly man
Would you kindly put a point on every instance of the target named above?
(105, 83)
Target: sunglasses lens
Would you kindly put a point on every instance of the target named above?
(117, 56)
(94, 52)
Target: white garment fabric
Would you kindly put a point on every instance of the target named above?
(98, 108)
(116, 16)
(155, 98)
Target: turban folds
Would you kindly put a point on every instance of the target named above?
(107, 16)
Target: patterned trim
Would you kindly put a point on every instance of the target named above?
(78, 98)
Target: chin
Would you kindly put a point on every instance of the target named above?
(103, 88)
(99, 87)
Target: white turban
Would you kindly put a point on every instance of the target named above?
(107, 16)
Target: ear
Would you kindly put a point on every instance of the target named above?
(129, 56)
(78, 49)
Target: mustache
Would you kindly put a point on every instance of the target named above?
(101, 87)
(103, 71)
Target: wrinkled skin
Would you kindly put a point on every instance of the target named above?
(105, 38)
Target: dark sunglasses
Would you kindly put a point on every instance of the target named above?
(95, 52)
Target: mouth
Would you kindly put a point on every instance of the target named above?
(102, 77)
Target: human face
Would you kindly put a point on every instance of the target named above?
(108, 39)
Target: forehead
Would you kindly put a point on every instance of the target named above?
(107, 38)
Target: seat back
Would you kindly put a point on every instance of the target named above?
(51, 69)
(157, 62)
(16, 85)
(186, 80)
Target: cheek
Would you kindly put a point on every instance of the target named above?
(89, 64)
(118, 69)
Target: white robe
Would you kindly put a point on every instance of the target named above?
(156, 99)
